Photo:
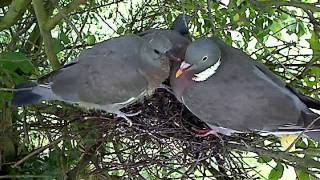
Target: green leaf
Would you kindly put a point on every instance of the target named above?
(302, 175)
(13, 56)
(314, 42)
(64, 38)
(301, 30)
(120, 30)
(239, 2)
(292, 28)
(284, 16)
(57, 45)
(264, 159)
(236, 17)
(275, 26)
(301, 144)
(276, 172)
(5, 95)
(311, 143)
(26, 67)
(91, 39)
(14, 60)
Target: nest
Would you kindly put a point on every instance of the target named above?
(160, 143)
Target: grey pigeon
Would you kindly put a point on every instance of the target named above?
(178, 35)
(180, 24)
(109, 76)
(229, 91)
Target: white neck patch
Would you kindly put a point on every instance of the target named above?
(204, 75)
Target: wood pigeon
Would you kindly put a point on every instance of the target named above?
(178, 36)
(109, 76)
(231, 92)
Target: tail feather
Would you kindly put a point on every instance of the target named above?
(31, 93)
(308, 101)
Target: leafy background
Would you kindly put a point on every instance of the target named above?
(54, 140)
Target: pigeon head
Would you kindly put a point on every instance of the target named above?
(180, 24)
(155, 55)
(202, 59)
(156, 46)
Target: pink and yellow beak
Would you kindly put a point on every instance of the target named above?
(183, 67)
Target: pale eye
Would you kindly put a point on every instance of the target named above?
(204, 58)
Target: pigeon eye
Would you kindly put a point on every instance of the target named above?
(204, 58)
(156, 51)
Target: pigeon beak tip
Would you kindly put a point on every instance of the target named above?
(179, 73)
(183, 67)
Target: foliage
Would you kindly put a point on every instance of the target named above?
(57, 140)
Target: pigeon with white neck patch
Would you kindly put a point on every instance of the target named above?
(231, 92)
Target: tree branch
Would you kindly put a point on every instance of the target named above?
(16, 9)
(46, 34)
(275, 3)
(301, 162)
(84, 160)
(37, 151)
(63, 13)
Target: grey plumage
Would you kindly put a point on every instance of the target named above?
(241, 94)
(112, 74)
(180, 24)
(178, 35)
(107, 76)
(31, 93)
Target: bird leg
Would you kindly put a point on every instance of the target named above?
(207, 132)
(126, 115)
(133, 114)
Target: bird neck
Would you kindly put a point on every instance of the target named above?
(155, 75)
(182, 83)
(207, 73)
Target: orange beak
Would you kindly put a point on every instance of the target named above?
(183, 67)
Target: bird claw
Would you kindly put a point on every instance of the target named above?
(126, 115)
(132, 114)
(126, 118)
(207, 132)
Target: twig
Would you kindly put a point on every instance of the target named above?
(63, 13)
(301, 133)
(16, 8)
(209, 4)
(36, 152)
(45, 33)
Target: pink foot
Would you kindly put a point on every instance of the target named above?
(206, 132)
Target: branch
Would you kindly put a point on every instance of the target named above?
(36, 152)
(84, 160)
(46, 34)
(17, 7)
(275, 3)
(301, 162)
(63, 13)
(209, 5)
